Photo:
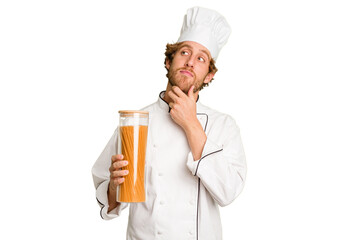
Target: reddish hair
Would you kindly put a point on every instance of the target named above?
(171, 49)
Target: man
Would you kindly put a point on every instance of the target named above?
(194, 160)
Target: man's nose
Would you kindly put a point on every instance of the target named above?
(190, 62)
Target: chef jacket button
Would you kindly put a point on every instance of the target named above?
(155, 146)
(160, 174)
(192, 202)
(191, 232)
(162, 202)
(159, 232)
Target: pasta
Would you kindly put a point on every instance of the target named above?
(133, 147)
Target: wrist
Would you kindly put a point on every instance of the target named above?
(193, 126)
(112, 199)
(196, 138)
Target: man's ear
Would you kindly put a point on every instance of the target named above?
(208, 77)
(167, 63)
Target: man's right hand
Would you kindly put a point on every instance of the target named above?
(116, 178)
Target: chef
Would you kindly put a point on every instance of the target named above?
(195, 160)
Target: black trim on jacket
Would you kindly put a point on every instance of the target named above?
(102, 207)
(198, 197)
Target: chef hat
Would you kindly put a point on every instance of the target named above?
(206, 27)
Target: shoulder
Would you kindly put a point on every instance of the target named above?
(215, 115)
(153, 107)
(221, 127)
(149, 108)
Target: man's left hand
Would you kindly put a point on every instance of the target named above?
(183, 112)
(183, 107)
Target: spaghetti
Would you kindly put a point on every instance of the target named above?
(133, 147)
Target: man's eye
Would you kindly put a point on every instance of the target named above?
(201, 59)
(184, 53)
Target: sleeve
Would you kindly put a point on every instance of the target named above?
(222, 166)
(101, 178)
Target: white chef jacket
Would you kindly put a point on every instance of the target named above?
(182, 195)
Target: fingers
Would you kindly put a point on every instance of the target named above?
(191, 92)
(117, 162)
(116, 173)
(178, 91)
(117, 157)
(114, 182)
(117, 177)
(117, 165)
(173, 96)
(119, 173)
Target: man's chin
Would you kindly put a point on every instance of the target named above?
(184, 89)
(172, 84)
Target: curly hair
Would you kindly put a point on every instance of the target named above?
(171, 49)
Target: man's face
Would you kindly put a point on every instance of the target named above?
(190, 66)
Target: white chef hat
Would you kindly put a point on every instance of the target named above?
(206, 27)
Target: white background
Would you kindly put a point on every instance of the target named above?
(288, 75)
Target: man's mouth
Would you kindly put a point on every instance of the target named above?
(187, 73)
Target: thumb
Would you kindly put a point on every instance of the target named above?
(191, 91)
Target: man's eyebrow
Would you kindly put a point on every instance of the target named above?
(206, 54)
(185, 46)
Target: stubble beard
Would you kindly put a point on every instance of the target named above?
(175, 79)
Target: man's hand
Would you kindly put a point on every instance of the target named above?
(183, 107)
(116, 174)
(183, 112)
(116, 178)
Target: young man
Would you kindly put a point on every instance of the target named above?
(194, 160)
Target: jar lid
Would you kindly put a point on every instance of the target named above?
(133, 111)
